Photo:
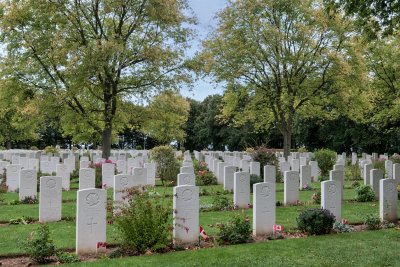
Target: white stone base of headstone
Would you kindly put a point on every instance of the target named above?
(263, 208)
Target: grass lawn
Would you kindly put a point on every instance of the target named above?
(372, 248)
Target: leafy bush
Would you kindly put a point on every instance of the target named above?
(51, 149)
(205, 178)
(65, 257)
(199, 166)
(373, 222)
(34, 148)
(379, 164)
(353, 172)
(139, 147)
(22, 220)
(355, 184)
(98, 175)
(265, 156)
(340, 227)
(221, 202)
(365, 193)
(143, 223)
(167, 164)
(315, 221)
(254, 179)
(236, 231)
(302, 150)
(395, 158)
(326, 159)
(30, 200)
(39, 247)
(317, 197)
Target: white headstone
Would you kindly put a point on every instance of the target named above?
(331, 192)
(305, 176)
(388, 202)
(376, 175)
(263, 208)
(284, 166)
(389, 168)
(241, 189)
(315, 171)
(338, 167)
(108, 172)
(244, 165)
(24, 162)
(337, 175)
(50, 199)
(151, 173)
(353, 158)
(186, 214)
(27, 184)
(295, 165)
(291, 188)
(221, 170)
(86, 178)
(34, 164)
(121, 166)
(396, 173)
(84, 164)
(367, 172)
(139, 176)
(255, 168)
(270, 174)
(186, 179)
(90, 220)
(229, 172)
(63, 172)
(46, 167)
(303, 161)
(187, 170)
(121, 183)
(12, 181)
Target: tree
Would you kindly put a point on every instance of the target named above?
(374, 17)
(88, 56)
(284, 56)
(166, 115)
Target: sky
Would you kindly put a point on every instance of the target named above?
(204, 11)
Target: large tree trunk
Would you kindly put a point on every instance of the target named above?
(107, 142)
(287, 143)
(8, 145)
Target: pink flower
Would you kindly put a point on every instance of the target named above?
(32, 233)
(247, 220)
(228, 223)
(242, 211)
(104, 185)
(313, 196)
(217, 224)
(123, 198)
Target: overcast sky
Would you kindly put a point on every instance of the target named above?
(205, 11)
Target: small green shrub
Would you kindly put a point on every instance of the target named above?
(167, 164)
(326, 159)
(315, 221)
(29, 200)
(51, 149)
(75, 174)
(34, 148)
(395, 158)
(254, 179)
(379, 164)
(353, 172)
(340, 227)
(22, 220)
(365, 193)
(221, 202)
(144, 223)
(139, 147)
(265, 156)
(355, 184)
(373, 222)
(205, 178)
(236, 231)
(65, 257)
(39, 247)
(316, 197)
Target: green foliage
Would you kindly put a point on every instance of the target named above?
(221, 202)
(51, 149)
(98, 174)
(205, 178)
(355, 184)
(340, 227)
(34, 148)
(326, 159)
(167, 165)
(144, 223)
(265, 156)
(254, 179)
(353, 172)
(75, 174)
(316, 197)
(29, 200)
(315, 221)
(395, 158)
(66, 257)
(365, 193)
(39, 247)
(199, 166)
(372, 221)
(139, 147)
(236, 231)
(379, 164)
(23, 220)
